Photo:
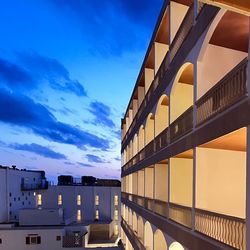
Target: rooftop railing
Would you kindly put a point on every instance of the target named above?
(73, 241)
(34, 186)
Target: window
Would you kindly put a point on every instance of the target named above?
(97, 214)
(15, 199)
(59, 199)
(116, 214)
(97, 200)
(58, 238)
(33, 239)
(78, 200)
(0, 241)
(10, 204)
(78, 215)
(10, 194)
(18, 198)
(116, 200)
(116, 230)
(39, 199)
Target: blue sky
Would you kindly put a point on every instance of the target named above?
(67, 69)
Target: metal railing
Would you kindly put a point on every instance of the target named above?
(230, 89)
(182, 32)
(181, 214)
(179, 38)
(227, 229)
(149, 149)
(161, 140)
(132, 234)
(182, 125)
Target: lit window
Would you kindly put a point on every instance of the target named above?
(97, 200)
(116, 200)
(78, 200)
(97, 214)
(59, 199)
(39, 199)
(78, 216)
(116, 230)
(116, 215)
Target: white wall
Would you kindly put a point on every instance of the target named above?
(221, 181)
(4, 198)
(214, 65)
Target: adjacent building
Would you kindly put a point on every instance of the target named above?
(77, 213)
(186, 134)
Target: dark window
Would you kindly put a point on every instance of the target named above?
(10, 213)
(34, 179)
(26, 198)
(33, 240)
(58, 238)
(10, 194)
(10, 204)
(15, 217)
(29, 193)
(22, 193)
(0, 241)
(15, 199)
(23, 203)
(29, 203)
(19, 198)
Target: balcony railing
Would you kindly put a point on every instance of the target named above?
(182, 125)
(181, 214)
(180, 37)
(227, 229)
(149, 149)
(73, 241)
(225, 93)
(161, 140)
(161, 208)
(132, 234)
(182, 32)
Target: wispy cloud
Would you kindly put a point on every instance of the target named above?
(95, 158)
(26, 113)
(102, 114)
(84, 165)
(39, 150)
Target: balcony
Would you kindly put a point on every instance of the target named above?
(131, 234)
(180, 37)
(230, 90)
(226, 229)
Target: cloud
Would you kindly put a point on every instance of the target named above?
(69, 163)
(36, 70)
(45, 68)
(117, 158)
(101, 113)
(95, 158)
(23, 111)
(14, 76)
(39, 150)
(121, 24)
(85, 165)
(117, 134)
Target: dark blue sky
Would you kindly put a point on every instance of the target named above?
(67, 69)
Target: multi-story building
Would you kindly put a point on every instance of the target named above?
(186, 134)
(82, 213)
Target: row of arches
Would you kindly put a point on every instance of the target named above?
(204, 68)
(166, 111)
(151, 237)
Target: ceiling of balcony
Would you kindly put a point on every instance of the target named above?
(163, 31)
(187, 154)
(232, 32)
(184, 2)
(233, 141)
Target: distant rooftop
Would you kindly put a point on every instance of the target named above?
(14, 167)
(68, 180)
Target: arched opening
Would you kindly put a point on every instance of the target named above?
(140, 225)
(149, 238)
(181, 97)
(176, 246)
(224, 52)
(135, 226)
(149, 129)
(159, 241)
(141, 138)
(135, 145)
(161, 115)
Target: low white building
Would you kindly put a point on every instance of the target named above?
(74, 213)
